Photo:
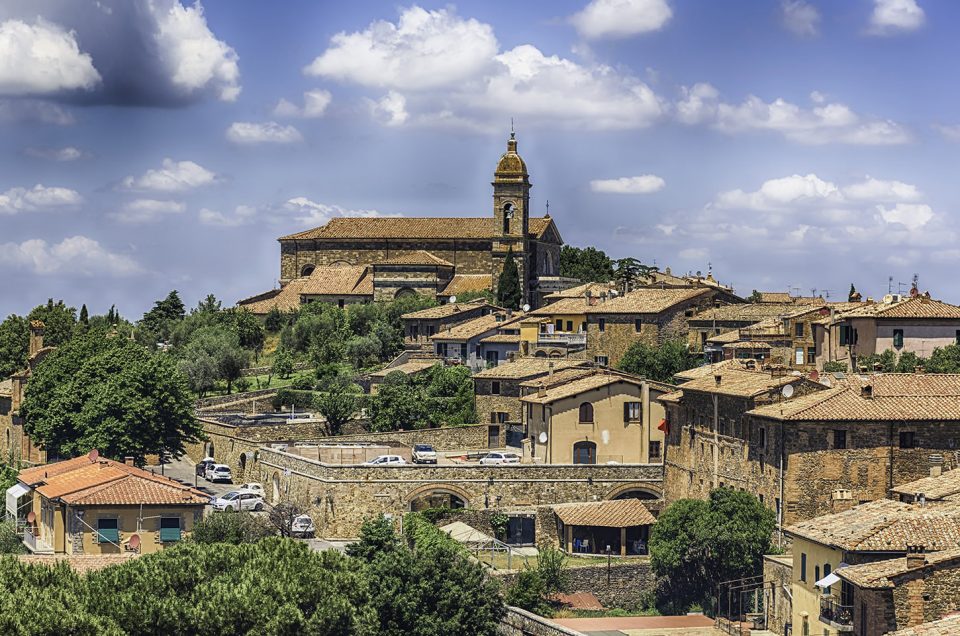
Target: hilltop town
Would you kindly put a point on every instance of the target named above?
(600, 438)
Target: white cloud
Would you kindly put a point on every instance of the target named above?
(242, 215)
(879, 190)
(391, 109)
(147, 210)
(781, 194)
(173, 176)
(34, 110)
(643, 184)
(801, 18)
(38, 198)
(314, 105)
(424, 49)
(693, 253)
(42, 58)
(311, 213)
(912, 215)
(950, 132)
(194, 58)
(621, 18)
(67, 153)
(257, 133)
(895, 16)
(76, 255)
(824, 123)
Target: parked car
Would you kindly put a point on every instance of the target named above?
(492, 459)
(204, 464)
(302, 526)
(253, 487)
(424, 454)
(236, 500)
(218, 472)
(386, 460)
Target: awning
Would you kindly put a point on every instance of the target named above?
(664, 426)
(828, 580)
(14, 493)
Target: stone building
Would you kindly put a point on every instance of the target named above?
(946, 626)
(16, 446)
(939, 486)
(427, 255)
(418, 326)
(600, 418)
(721, 319)
(498, 389)
(918, 324)
(470, 342)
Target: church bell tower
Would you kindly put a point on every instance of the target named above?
(511, 212)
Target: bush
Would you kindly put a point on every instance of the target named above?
(303, 383)
(301, 400)
(231, 527)
(527, 592)
(835, 367)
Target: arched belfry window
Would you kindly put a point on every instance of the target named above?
(586, 412)
(307, 269)
(507, 215)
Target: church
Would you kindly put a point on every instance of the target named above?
(351, 260)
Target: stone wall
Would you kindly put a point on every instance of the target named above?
(506, 401)
(628, 587)
(777, 581)
(340, 498)
(218, 400)
(250, 371)
(449, 438)
(519, 622)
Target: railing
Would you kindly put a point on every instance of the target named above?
(835, 614)
(34, 544)
(562, 338)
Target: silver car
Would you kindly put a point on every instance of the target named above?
(236, 500)
(497, 458)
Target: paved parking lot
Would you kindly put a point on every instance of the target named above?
(182, 470)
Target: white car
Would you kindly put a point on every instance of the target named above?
(386, 460)
(492, 459)
(302, 526)
(253, 487)
(424, 454)
(218, 472)
(236, 500)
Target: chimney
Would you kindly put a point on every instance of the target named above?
(924, 299)
(915, 556)
(866, 391)
(550, 369)
(717, 378)
(36, 336)
(128, 461)
(541, 390)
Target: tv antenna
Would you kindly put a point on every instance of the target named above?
(889, 284)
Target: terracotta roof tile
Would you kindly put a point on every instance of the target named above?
(436, 228)
(476, 327)
(408, 368)
(918, 307)
(948, 626)
(580, 291)
(933, 488)
(527, 367)
(881, 574)
(747, 344)
(576, 387)
(419, 257)
(617, 513)
(639, 301)
(708, 370)
(744, 312)
(348, 280)
(739, 382)
(447, 309)
(502, 338)
(465, 283)
(561, 376)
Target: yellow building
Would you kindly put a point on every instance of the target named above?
(90, 505)
(600, 418)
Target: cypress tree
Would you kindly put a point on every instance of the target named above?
(84, 315)
(509, 294)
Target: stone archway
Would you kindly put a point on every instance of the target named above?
(635, 491)
(405, 292)
(307, 269)
(437, 496)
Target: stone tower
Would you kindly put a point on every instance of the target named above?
(511, 211)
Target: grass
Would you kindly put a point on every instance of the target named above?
(260, 382)
(499, 561)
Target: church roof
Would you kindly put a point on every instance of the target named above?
(420, 257)
(421, 228)
(344, 280)
(464, 283)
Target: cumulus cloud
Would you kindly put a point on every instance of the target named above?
(314, 105)
(242, 215)
(799, 17)
(424, 49)
(75, 255)
(16, 111)
(824, 123)
(67, 153)
(810, 191)
(895, 16)
(311, 213)
(173, 176)
(621, 18)
(147, 210)
(242, 132)
(643, 184)
(391, 109)
(39, 198)
(42, 58)
(911, 215)
(871, 189)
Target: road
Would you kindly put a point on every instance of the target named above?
(182, 470)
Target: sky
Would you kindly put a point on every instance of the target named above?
(150, 145)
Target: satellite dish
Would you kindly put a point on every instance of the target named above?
(452, 300)
(93, 455)
(814, 375)
(787, 391)
(31, 516)
(526, 308)
(542, 438)
(134, 541)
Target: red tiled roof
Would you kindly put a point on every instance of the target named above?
(617, 513)
(423, 228)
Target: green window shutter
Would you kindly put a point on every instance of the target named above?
(169, 535)
(108, 535)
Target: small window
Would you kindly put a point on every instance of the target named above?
(811, 354)
(798, 329)
(957, 339)
(803, 567)
(826, 572)
(529, 412)
(816, 573)
(570, 325)
(108, 530)
(601, 360)
(431, 329)
(586, 413)
(846, 335)
(762, 443)
(898, 338)
(638, 325)
(906, 439)
(495, 387)
(602, 324)
(170, 529)
(340, 303)
(688, 313)
(839, 439)
(631, 411)
(654, 450)
(559, 325)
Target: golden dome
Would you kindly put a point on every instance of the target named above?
(511, 164)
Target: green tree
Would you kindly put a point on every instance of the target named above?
(658, 363)
(587, 264)
(14, 343)
(697, 544)
(552, 567)
(337, 408)
(944, 360)
(399, 405)
(376, 537)
(231, 527)
(274, 321)
(10, 543)
(755, 297)
(629, 271)
(529, 592)
(909, 361)
(84, 315)
(853, 296)
(58, 321)
(509, 291)
(282, 363)
(209, 304)
(885, 362)
(111, 394)
(450, 396)
(164, 315)
(249, 331)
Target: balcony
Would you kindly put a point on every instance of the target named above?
(34, 543)
(562, 339)
(838, 616)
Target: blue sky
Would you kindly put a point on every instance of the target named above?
(158, 144)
